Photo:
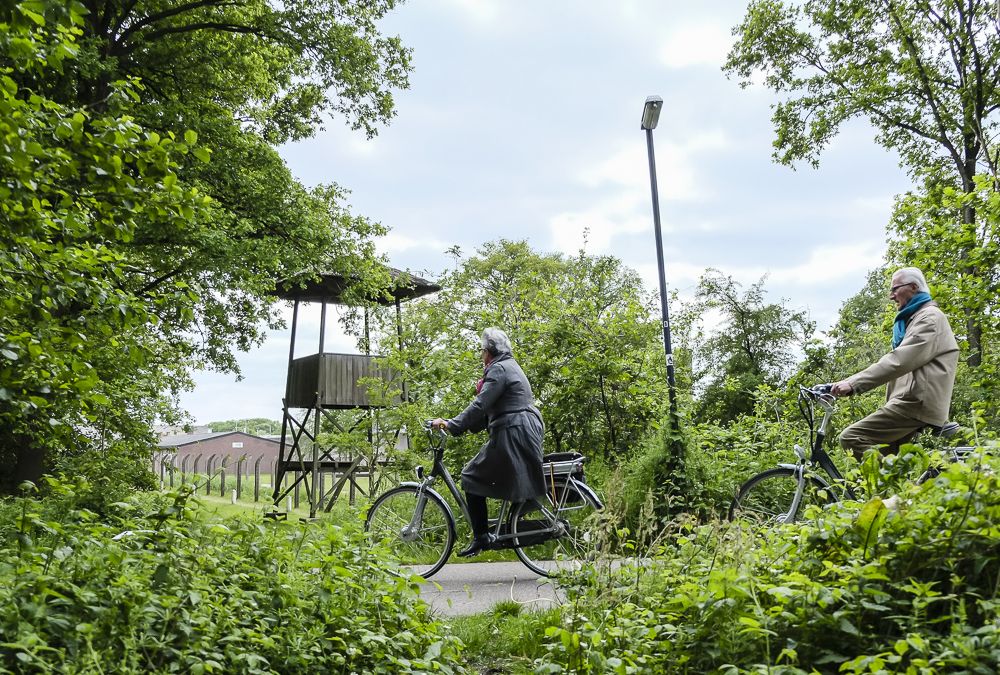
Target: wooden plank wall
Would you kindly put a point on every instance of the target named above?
(336, 375)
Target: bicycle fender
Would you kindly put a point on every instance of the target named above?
(433, 493)
(813, 476)
(588, 492)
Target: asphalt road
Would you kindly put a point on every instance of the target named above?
(474, 587)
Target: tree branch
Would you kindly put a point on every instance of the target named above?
(166, 14)
(928, 92)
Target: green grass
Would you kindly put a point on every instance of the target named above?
(342, 513)
(507, 639)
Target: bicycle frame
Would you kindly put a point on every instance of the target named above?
(553, 527)
(818, 454)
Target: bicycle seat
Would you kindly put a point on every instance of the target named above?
(945, 430)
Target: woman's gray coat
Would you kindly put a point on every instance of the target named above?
(509, 466)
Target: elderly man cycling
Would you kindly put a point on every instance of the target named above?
(919, 371)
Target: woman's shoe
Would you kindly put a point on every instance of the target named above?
(480, 543)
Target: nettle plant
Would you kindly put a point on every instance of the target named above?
(171, 592)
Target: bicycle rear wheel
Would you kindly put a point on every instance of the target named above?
(574, 541)
(422, 543)
(767, 497)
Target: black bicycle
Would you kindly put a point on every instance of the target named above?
(780, 494)
(549, 534)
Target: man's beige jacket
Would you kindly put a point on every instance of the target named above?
(920, 372)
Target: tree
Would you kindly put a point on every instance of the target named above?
(581, 327)
(927, 236)
(161, 217)
(923, 73)
(75, 187)
(754, 345)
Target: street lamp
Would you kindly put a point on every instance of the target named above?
(650, 116)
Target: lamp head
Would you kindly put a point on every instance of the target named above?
(651, 112)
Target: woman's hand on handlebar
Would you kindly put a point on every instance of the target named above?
(439, 424)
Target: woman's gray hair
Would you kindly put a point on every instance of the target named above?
(495, 341)
(912, 275)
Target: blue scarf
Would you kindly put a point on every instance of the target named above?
(899, 327)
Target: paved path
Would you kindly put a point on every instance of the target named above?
(471, 588)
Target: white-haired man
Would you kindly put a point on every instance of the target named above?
(919, 371)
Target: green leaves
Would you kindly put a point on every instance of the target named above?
(817, 595)
(582, 328)
(126, 207)
(198, 595)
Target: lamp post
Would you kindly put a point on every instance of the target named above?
(650, 116)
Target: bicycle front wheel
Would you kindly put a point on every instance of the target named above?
(421, 541)
(767, 497)
(551, 539)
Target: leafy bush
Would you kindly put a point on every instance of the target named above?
(170, 593)
(855, 588)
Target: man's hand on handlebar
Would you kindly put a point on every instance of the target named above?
(439, 424)
(842, 388)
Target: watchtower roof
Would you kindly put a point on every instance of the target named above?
(330, 287)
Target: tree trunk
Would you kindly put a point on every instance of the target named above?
(973, 323)
(24, 463)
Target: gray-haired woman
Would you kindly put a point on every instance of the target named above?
(509, 466)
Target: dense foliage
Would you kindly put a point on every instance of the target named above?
(148, 216)
(172, 591)
(754, 344)
(854, 588)
(581, 328)
(923, 73)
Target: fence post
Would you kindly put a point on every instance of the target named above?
(209, 466)
(194, 465)
(297, 485)
(322, 489)
(256, 479)
(239, 475)
(222, 476)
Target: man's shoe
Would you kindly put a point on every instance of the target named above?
(480, 543)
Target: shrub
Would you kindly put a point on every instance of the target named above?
(854, 588)
(170, 593)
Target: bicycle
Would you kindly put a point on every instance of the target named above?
(780, 494)
(549, 534)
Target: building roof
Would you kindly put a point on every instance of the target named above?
(331, 287)
(180, 440)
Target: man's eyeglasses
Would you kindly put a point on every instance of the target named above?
(898, 286)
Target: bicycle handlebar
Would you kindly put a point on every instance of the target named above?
(430, 431)
(823, 391)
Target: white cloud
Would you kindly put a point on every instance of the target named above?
(628, 211)
(676, 166)
(696, 44)
(395, 242)
(834, 263)
(598, 226)
(483, 13)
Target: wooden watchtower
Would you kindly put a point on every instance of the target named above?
(319, 383)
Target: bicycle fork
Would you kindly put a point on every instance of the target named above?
(800, 484)
(411, 531)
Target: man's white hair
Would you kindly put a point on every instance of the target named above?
(912, 275)
(496, 341)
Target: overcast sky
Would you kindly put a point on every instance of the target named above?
(522, 121)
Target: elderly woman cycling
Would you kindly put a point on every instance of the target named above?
(509, 465)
